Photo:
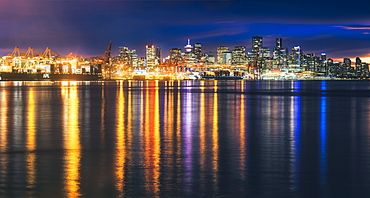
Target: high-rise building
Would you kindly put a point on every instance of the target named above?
(220, 56)
(256, 43)
(158, 55)
(151, 55)
(128, 57)
(280, 54)
(197, 51)
(226, 58)
(175, 55)
(257, 46)
(239, 56)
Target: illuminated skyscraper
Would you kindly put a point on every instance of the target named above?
(197, 51)
(151, 55)
(280, 54)
(220, 57)
(256, 43)
(158, 55)
(128, 58)
(239, 56)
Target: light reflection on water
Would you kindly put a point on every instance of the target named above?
(71, 140)
(184, 139)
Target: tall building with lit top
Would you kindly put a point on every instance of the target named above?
(188, 47)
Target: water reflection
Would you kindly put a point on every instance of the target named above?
(31, 140)
(4, 160)
(71, 139)
(152, 139)
(120, 157)
(215, 141)
(295, 136)
(181, 138)
(323, 151)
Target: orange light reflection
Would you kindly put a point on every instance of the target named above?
(31, 140)
(71, 141)
(120, 143)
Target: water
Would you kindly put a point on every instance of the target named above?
(185, 139)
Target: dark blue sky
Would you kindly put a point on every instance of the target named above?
(341, 29)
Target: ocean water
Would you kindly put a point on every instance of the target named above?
(185, 139)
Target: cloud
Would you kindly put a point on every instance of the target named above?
(355, 27)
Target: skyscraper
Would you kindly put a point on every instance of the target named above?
(256, 43)
(239, 56)
(151, 55)
(128, 57)
(280, 54)
(197, 51)
(220, 57)
(158, 55)
(257, 46)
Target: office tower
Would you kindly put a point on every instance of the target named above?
(295, 56)
(256, 43)
(158, 55)
(349, 70)
(257, 46)
(280, 54)
(197, 51)
(175, 56)
(226, 58)
(220, 51)
(279, 42)
(239, 56)
(151, 52)
(128, 57)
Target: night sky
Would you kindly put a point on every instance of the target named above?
(84, 27)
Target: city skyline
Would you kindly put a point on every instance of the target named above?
(85, 27)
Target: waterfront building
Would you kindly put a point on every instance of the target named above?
(153, 55)
(280, 54)
(197, 51)
(239, 56)
(309, 62)
(128, 57)
(158, 55)
(294, 61)
(256, 43)
(220, 51)
(226, 58)
(150, 55)
(209, 58)
(257, 47)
